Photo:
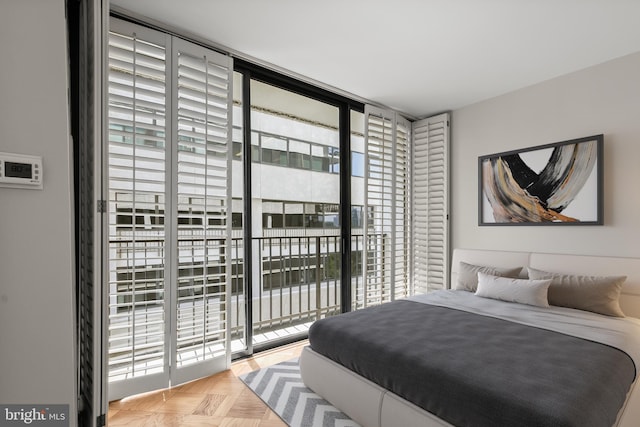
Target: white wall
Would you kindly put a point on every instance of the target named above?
(36, 227)
(602, 99)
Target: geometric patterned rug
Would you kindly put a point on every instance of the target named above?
(282, 389)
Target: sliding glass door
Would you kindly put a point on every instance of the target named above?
(287, 262)
(295, 204)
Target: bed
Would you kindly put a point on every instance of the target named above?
(451, 366)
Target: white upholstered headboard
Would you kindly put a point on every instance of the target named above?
(561, 263)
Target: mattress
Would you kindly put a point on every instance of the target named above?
(473, 361)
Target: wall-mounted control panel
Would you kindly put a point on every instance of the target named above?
(20, 171)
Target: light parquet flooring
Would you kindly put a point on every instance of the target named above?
(219, 400)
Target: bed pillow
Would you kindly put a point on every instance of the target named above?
(468, 275)
(599, 294)
(523, 291)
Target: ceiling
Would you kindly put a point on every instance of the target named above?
(420, 57)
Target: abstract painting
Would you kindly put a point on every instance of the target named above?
(552, 184)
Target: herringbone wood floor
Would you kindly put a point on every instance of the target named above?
(219, 400)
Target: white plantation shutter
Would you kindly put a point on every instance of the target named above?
(202, 111)
(169, 179)
(386, 195)
(430, 204)
(137, 159)
(401, 208)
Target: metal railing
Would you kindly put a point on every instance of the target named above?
(297, 281)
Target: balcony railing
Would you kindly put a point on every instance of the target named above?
(296, 280)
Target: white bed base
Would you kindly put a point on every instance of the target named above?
(365, 402)
(372, 406)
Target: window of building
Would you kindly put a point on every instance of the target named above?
(357, 164)
(299, 154)
(274, 150)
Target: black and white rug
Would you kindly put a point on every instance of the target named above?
(282, 389)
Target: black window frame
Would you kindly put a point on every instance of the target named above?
(251, 71)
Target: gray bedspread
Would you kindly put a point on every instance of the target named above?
(474, 370)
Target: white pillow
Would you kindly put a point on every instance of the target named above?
(523, 291)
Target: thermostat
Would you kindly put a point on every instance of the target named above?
(20, 171)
